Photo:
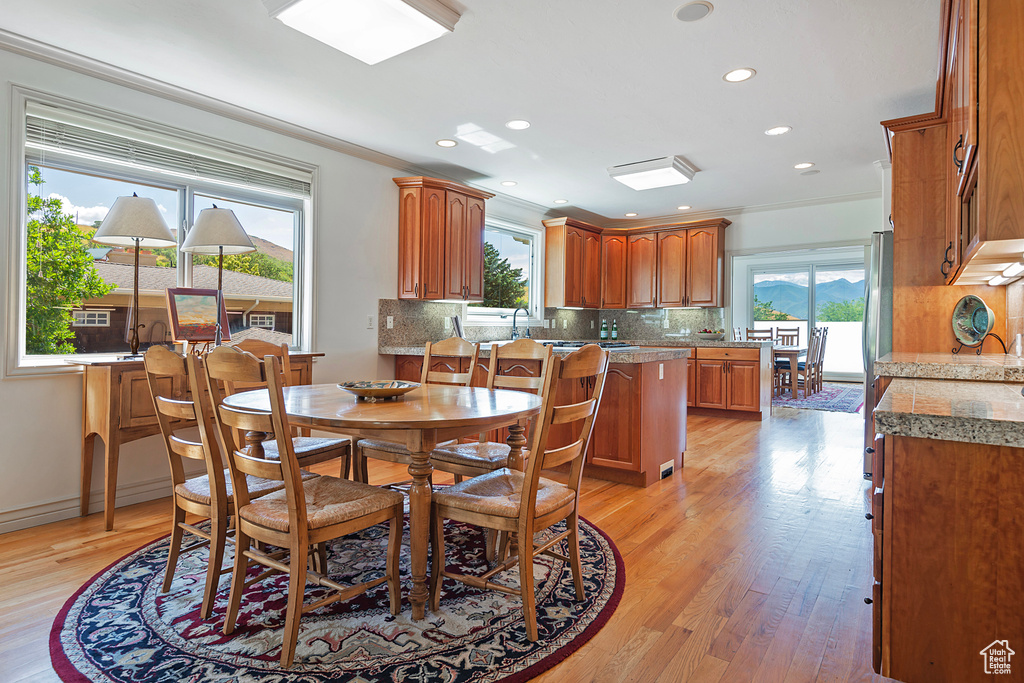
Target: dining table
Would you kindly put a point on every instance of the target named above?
(792, 354)
(418, 420)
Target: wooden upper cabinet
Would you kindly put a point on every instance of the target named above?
(613, 273)
(440, 239)
(572, 264)
(705, 258)
(672, 268)
(642, 269)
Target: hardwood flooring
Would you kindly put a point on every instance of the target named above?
(752, 564)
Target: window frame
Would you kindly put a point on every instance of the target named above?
(480, 316)
(16, 362)
(270, 316)
(86, 311)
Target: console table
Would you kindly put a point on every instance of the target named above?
(118, 408)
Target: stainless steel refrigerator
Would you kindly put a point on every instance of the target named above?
(877, 325)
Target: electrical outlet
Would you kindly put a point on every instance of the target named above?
(369, 322)
(591, 324)
(447, 323)
(391, 322)
(547, 324)
(661, 371)
(565, 323)
(664, 323)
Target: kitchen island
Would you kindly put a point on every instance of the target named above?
(948, 491)
(640, 429)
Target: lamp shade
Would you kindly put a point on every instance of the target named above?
(134, 220)
(216, 228)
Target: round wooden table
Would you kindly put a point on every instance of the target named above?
(419, 421)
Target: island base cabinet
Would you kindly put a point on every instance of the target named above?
(734, 382)
(952, 580)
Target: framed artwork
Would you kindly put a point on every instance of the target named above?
(193, 317)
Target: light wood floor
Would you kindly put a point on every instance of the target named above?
(751, 564)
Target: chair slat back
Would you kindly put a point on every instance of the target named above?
(453, 347)
(822, 338)
(737, 334)
(521, 350)
(590, 361)
(186, 449)
(261, 349)
(788, 336)
(753, 334)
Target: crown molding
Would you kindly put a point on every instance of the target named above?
(740, 210)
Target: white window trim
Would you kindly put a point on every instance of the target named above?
(263, 317)
(17, 364)
(502, 317)
(84, 313)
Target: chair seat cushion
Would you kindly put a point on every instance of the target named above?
(390, 447)
(486, 455)
(498, 493)
(308, 449)
(784, 365)
(329, 500)
(197, 489)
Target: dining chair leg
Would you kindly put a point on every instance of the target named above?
(574, 553)
(394, 555)
(237, 581)
(436, 560)
(320, 558)
(526, 591)
(345, 460)
(218, 535)
(175, 547)
(293, 615)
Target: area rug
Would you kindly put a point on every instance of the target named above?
(120, 627)
(834, 397)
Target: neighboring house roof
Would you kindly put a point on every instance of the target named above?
(262, 334)
(159, 278)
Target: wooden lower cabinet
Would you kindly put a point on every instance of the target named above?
(732, 381)
(743, 383)
(951, 543)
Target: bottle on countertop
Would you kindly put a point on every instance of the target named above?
(604, 330)
(615, 330)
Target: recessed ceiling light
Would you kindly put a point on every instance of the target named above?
(739, 75)
(694, 11)
(630, 214)
(509, 183)
(446, 143)
(804, 164)
(684, 208)
(778, 130)
(517, 124)
(810, 173)
(561, 201)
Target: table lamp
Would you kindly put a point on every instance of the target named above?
(217, 231)
(134, 221)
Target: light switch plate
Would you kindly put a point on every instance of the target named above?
(391, 322)
(547, 324)
(665, 323)
(447, 323)
(591, 324)
(565, 323)
(661, 371)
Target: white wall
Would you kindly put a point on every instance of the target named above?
(355, 264)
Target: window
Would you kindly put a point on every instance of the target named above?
(512, 279)
(91, 319)
(261, 320)
(76, 165)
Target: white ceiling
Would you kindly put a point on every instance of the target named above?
(604, 82)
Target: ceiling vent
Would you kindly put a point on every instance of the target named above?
(647, 175)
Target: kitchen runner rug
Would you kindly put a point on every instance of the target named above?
(120, 627)
(834, 397)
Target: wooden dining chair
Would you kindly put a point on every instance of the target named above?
(787, 336)
(737, 334)
(523, 503)
(443, 363)
(753, 334)
(309, 449)
(482, 456)
(801, 375)
(818, 371)
(209, 495)
(304, 514)
(261, 348)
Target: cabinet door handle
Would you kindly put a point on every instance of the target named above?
(958, 162)
(416, 289)
(946, 255)
(868, 516)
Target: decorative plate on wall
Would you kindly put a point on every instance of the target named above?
(972, 320)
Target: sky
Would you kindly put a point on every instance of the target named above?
(821, 276)
(88, 198)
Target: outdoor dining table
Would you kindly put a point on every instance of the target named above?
(419, 420)
(792, 354)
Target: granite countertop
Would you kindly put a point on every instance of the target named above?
(621, 355)
(953, 410)
(966, 365)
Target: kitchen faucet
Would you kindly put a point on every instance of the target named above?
(515, 330)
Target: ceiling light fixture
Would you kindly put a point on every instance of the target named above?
(810, 172)
(778, 130)
(646, 175)
(997, 280)
(446, 143)
(739, 75)
(509, 183)
(517, 124)
(804, 164)
(694, 11)
(369, 30)
(630, 214)
(1013, 270)
(561, 201)
(684, 208)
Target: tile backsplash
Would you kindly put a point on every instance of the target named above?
(417, 322)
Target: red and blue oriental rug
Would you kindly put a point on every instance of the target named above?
(119, 627)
